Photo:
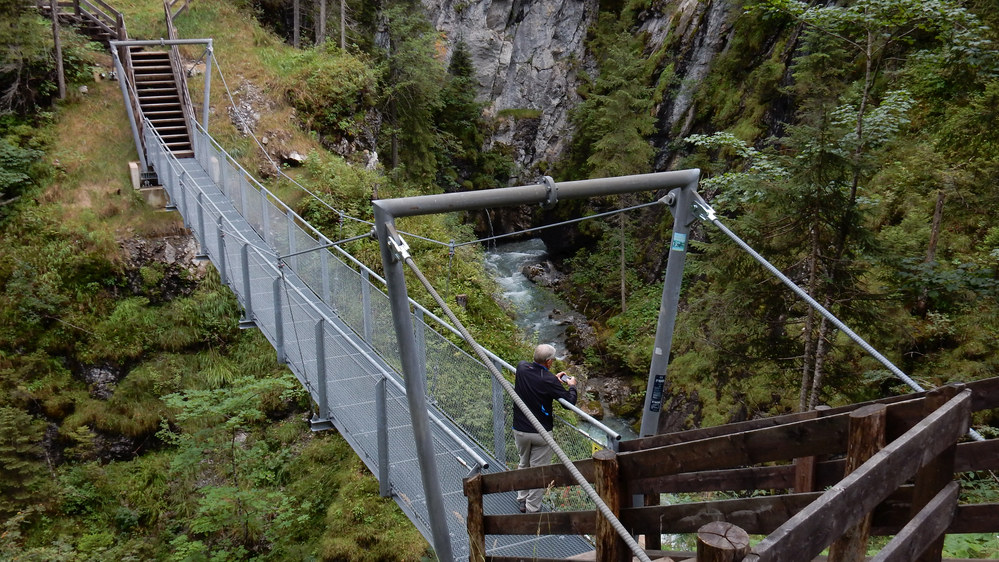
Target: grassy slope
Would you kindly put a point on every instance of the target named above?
(141, 508)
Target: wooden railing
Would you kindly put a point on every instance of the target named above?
(90, 12)
(904, 488)
(175, 7)
(179, 75)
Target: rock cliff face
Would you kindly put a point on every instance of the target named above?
(528, 55)
(694, 32)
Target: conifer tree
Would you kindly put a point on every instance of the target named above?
(411, 89)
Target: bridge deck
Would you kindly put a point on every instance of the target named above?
(243, 231)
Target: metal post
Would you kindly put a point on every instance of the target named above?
(681, 200)
(202, 237)
(278, 321)
(208, 86)
(499, 419)
(416, 391)
(265, 220)
(321, 368)
(381, 414)
(420, 335)
(185, 212)
(221, 259)
(366, 319)
(123, 82)
(290, 215)
(244, 253)
(324, 273)
(241, 181)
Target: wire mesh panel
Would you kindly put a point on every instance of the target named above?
(333, 326)
(381, 329)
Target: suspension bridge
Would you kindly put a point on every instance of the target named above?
(330, 321)
(432, 421)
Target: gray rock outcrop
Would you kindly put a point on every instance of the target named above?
(527, 55)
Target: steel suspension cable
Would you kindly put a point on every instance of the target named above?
(709, 215)
(566, 462)
(563, 223)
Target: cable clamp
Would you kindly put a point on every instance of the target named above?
(551, 192)
(702, 210)
(400, 247)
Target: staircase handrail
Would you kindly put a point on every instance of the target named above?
(179, 76)
(170, 7)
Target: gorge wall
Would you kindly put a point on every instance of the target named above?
(530, 55)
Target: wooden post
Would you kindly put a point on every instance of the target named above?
(720, 541)
(60, 74)
(936, 474)
(610, 546)
(866, 437)
(804, 467)
(653, 541)
(475, 520)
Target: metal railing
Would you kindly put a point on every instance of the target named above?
(327, 316)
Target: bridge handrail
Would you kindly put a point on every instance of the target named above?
(798, 524)
(174, 163)
(613, 436)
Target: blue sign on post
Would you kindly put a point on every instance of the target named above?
(679, 242)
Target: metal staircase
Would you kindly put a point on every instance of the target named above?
(160, 100)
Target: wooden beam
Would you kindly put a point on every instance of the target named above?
(809, 531)
(804, 467)
(535, 477)
(826, 435)
(985, 396)
(977, 455)
(935, 475)
(731, 479)
(920, 535)
(758, 516)
(474, 523)
(610, 546)
(542, 523)
(867, 437)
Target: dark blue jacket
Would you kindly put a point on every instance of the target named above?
(538, 387)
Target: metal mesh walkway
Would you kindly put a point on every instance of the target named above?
(331, 324)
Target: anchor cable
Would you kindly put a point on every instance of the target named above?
(566, 462)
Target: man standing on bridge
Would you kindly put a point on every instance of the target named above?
(537, 387)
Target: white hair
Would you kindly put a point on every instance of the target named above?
(543, 353)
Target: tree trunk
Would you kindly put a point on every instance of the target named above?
(60, 73)
(823, 344)
(296, 24)
(321, 28)
(343, 24)
(624, 285)
(807, 360)
(931, 249)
